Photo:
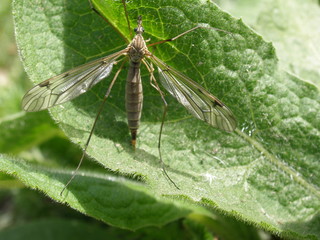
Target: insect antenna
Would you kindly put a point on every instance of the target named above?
(93, 127)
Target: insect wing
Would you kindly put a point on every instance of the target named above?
(68, 85)
(197, 100)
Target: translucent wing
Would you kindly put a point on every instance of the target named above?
(198, 101)
(68, 85)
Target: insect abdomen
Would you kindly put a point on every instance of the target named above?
(134, 97)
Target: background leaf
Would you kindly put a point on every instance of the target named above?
(63, 229)
(114, 200)
(292, 26)
(264, 173)
(16, 137)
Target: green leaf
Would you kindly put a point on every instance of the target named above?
(22, 131)
(265, 173)
(114, 200)
(197, 231)
(61, 229)
(292, 26)
(225, 227)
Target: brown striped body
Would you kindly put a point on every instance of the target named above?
(134, 98)
(137, 49)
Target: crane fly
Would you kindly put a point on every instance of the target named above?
(69, 85)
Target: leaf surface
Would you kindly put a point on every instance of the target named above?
(266, 172)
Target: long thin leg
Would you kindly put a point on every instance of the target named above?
(127, 18)
(165, 108)
(106, 20)
(184, 33)
(93, 127)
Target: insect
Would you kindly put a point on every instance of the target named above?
(69, 85)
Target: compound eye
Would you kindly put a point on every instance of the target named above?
(142, 29)
(135, 29)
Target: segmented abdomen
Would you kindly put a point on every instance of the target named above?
(134, 97)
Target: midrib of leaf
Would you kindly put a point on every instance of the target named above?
(276, 161)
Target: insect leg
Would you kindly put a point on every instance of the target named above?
(165, 108)
(127, 17)
(184, 33)
(93, 127)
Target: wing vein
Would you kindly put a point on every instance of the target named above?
(197, 100)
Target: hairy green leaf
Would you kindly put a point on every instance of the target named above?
(292, 26)
(266, 172)
(114, 200)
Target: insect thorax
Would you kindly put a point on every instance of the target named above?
(137, 48)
